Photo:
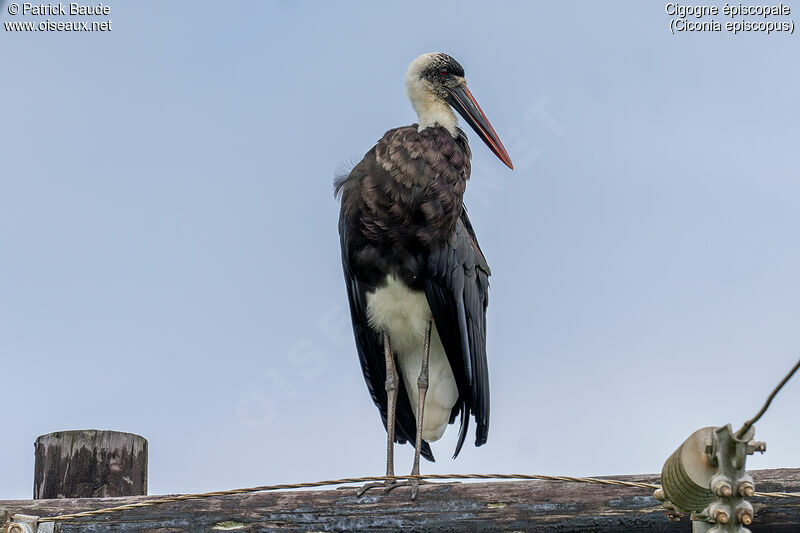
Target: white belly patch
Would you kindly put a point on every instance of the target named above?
(404, 313)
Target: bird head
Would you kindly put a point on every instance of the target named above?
(436, 85)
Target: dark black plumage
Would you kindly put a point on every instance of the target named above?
(402, 213)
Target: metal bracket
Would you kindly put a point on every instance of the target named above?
(731, 483)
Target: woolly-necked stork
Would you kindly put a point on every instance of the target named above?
(416, 278)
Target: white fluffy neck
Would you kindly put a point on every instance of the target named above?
(431, 109)
(434, 112)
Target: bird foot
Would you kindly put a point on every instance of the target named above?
(387, 486)
(391, 484)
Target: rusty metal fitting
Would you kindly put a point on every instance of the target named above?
(755, 446)
(723, 488)
(745, 517)
(747, 490)
(721, 516)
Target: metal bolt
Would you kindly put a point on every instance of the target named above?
(723, 489)
(755, 446)
(745, 518)
(721, 516)
(747, 490)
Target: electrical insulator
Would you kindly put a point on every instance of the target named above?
(706, 476)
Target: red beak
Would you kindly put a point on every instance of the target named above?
(462, 101)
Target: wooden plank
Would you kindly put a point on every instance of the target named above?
(90, 464)
(464, 507)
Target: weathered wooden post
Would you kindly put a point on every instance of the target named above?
(90, 464)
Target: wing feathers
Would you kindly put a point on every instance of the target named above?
(457, 291)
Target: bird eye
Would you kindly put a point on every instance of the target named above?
(443, 72)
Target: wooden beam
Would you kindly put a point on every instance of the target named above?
(465, 507)
(89, 464)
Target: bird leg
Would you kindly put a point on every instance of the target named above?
(392, 382)
(391, 392)
(422, 384)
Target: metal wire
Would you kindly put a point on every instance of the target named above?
(345, 481)
(784, 381)
(350, 480)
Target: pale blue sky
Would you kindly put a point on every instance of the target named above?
(169, 261)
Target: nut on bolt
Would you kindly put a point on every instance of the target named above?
(747, 490)
(755, 446)
(745, 517)
(721, 516)
(723, 489)
(659, 495)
